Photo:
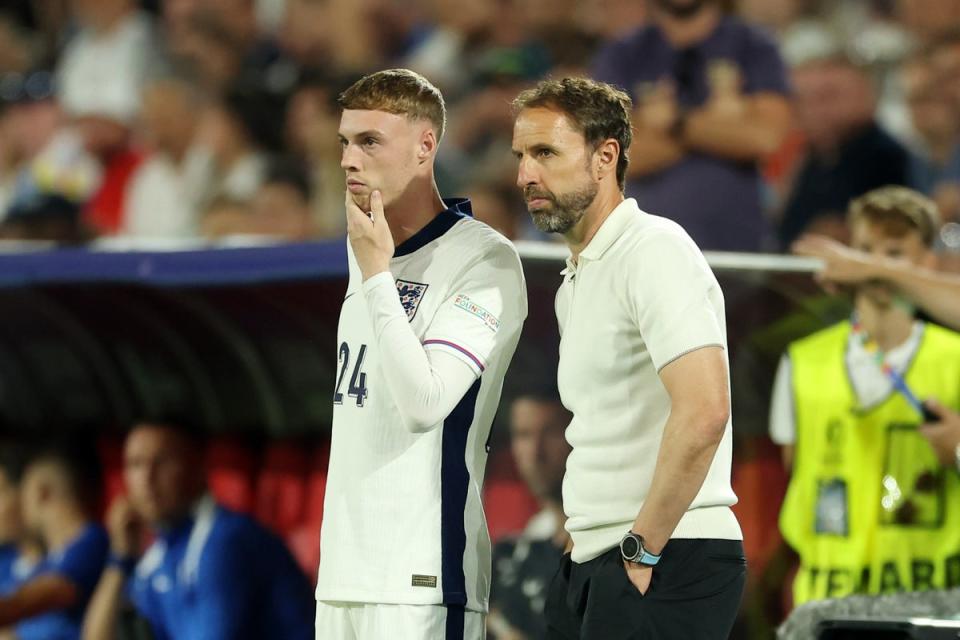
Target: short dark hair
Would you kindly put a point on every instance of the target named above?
(11, 462)
(287, 171)
(398, 91)
(77, 457)
(598, 110)
(183, 427)
(256, 110)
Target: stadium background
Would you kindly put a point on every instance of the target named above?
(234, 323)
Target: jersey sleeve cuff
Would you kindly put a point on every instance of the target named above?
(374, 282)
(465, 354)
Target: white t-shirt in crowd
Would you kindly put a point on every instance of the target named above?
(870, 385)
(157, 204)
(640, 296)
(104, 73)
(403, 520)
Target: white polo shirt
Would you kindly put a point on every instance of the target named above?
(640, 296)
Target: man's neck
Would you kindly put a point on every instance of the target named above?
(64, 529)
(889, 327)
(413, 210)
(582, 233)
(686, 32)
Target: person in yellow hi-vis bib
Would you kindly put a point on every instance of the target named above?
(870, 508)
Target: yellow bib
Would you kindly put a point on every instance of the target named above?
(869, 509)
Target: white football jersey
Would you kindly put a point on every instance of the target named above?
(403, 521)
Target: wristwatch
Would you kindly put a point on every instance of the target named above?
(632, 550)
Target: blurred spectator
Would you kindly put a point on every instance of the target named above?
(281, 207)
(58, 493)
(29, 118)
(14, 47)
(353, 44)
(101, 76)
(709, 91)
(523, 567)
(11, 521)
(228, 156)
(313, 119)
(45, 218)
(871, 506)
(499, 207)
(611, 19)
(305, 34)
(848, 154)
(225, 217)
(481, 125)
(459, 29)
(221, 41)
(157, 203)
(929, 19)
(206, 47)
(935, 167)
(210, 573)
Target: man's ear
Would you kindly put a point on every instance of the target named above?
(606, 157)
(428, 145)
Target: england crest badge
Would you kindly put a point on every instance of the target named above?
(411, 293)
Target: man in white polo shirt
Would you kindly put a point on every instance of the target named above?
(656, 549)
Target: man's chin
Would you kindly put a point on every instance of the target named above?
(550, 223)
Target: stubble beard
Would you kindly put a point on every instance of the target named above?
(565, 211)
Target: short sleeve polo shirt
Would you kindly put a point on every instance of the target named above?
(640, 296)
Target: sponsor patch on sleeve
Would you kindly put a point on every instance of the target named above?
(463, 301)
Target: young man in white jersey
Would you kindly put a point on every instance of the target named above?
(656, 551)
(430, 320)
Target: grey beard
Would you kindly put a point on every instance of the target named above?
(567, 211)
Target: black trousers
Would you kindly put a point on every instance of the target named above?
(694, 595)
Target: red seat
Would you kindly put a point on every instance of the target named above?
(304, 544)
(317, 485)
(230, 473)
(304, 540)
(507, 502)
(760, 482)
(110, 450)
(282, 486)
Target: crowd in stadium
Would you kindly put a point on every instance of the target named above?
(203, 118)
(166, 123)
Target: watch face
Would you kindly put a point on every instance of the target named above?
(630, 547)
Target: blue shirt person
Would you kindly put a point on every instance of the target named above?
(46, 599)
(80, 563)
(711, 102)
(221, 575)
(211, 573)
(8, 557)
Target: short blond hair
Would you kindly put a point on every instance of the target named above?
(898, 211)
(398, 91)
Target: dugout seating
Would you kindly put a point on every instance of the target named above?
(282, 485)
(231, 471)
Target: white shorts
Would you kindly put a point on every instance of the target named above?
(361, 621)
